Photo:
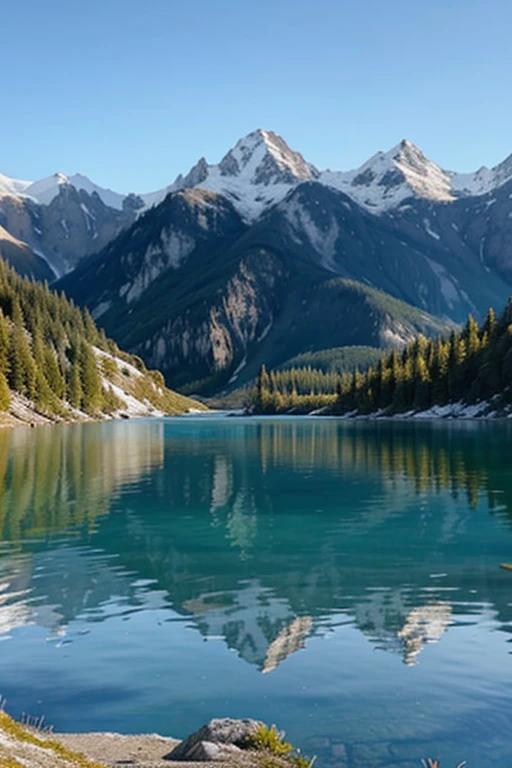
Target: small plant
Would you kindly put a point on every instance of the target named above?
(270, 740)
(429, 763)
(299, 761)
(109, 367)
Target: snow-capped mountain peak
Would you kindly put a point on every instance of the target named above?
(45, 190)
(482, 181)
(12, 187)
(388, 178)
(261, 169)
(265, 158)
(256, 173)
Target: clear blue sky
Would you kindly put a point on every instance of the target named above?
(132, 93)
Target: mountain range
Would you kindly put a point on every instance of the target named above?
(263, 256)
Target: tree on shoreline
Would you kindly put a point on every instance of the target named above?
(472, 365)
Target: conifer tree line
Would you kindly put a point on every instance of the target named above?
(470, 365)
(300, 389)
(46, 349)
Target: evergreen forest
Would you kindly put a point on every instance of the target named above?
(53, 357)
(470, 365)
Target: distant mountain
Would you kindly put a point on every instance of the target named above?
(400, 253)
(24, 260)
(261, 169)
(205, 297)
(258, 172)
(263, 257)
(70, 225)
(45, 190)
(384, 181)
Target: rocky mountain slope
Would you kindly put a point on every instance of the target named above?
(59, 232)
(193, 289)
(24, 260)
(234, 264)
(63, 218)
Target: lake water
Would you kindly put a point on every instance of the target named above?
(339, 579)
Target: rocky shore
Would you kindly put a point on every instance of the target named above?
(222, 742)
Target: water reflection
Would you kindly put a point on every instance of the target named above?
(55, 479)
(268, 536)
(258, 533)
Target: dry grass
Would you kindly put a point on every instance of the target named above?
(18, 733)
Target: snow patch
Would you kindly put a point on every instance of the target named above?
(266, 330)
(449, 286)
(429, 230)
(237, 370)
(323, 239)
(102, 307)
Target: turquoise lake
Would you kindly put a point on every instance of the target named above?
(340, 579)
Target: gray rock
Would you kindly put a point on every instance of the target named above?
(208, 751)
(218, 740)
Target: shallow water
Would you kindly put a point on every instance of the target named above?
(340, 579)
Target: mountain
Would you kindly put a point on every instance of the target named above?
(13, 187)
(55, 365)
(45, 190)
(476, 228)
(70, 225)
(261, 169)
(24, 260)
(384, 181)
(397, 253)
(228, 267)
(258, 172)
(80, 216)
(205, 297)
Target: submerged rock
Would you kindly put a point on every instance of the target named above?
(219, 740)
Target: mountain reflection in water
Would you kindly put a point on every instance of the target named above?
(263, 534)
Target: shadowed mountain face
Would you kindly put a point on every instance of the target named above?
(24, 260)
(70, 226)
(351, 570)
(228, 267)
(207, 299)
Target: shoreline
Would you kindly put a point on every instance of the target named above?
(22, 414)
(212, 746)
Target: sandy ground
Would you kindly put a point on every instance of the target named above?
(113, 749)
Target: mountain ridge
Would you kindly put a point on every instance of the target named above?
(263, 159)
(231, 268)
(236, 293)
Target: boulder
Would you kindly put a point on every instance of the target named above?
(220, 740)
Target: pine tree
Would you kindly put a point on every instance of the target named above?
(74, 385)
(53, 373)
(5, 394)
(4, 344)
(90, 379)
(22, 369)
(43, 395)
